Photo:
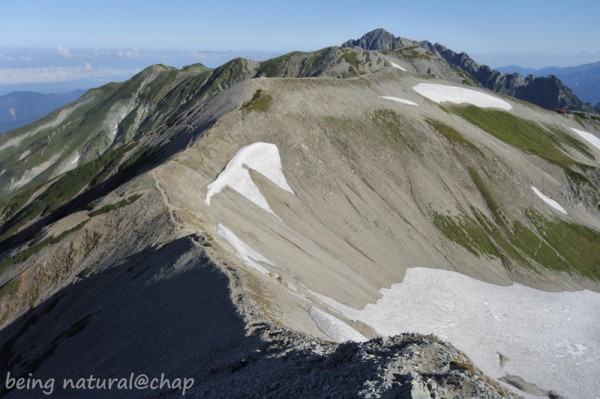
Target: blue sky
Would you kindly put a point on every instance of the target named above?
(109, 40)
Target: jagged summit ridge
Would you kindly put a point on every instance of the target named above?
(379, 39)
(547, 92)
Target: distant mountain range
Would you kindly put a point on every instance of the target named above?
(547, 92)
(21, 108)
(584, 80)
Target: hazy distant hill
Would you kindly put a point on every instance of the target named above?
(584, 80)
(20, 108)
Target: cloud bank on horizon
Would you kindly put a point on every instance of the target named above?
(71, 37)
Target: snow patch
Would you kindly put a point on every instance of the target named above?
(549, 200)
(261, 157)
(400, 100)
(459, 95)
(75, 160)
(244, 252)
(25, 155)
(589, 137)
(551, 338)
(397, 66)
(334, 328)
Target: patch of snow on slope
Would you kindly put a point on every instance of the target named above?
(400, 100)
(397, 66)
(334, 328)
(551, 338)
(589, 137)
(244, 251)
(25, 155)
(549, 200)
(261, 157)
(75, 160)
(443, 93)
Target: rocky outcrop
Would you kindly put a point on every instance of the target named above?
(404, 366)
(379, 39)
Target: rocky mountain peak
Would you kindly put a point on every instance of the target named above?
(379, 39)
(555, 94)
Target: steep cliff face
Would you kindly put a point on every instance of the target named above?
(243, 220)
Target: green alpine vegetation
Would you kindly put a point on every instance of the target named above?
(260, 102)
(551, 243)
(33, 249)
(61, 190)
(520, 133)
(117, 205)
(451, 134)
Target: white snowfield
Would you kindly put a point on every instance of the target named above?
(551, 339)
(244, 252)
(459, 95)
(549, 200)
(589, 137)
(397, 66)
(334, 328)
(261, 157)
(400, 100)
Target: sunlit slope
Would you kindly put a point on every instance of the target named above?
(318, 182)
(461, 186)
(103, 119)
(374, 185)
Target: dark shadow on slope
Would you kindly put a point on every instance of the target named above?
(143, 316)
(169, 311)
(154, 314)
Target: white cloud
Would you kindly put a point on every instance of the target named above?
(11, 76)
(132, 54)
(64, 52)
(199, 55)
(4, 57)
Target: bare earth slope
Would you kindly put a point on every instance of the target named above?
(255, 218)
